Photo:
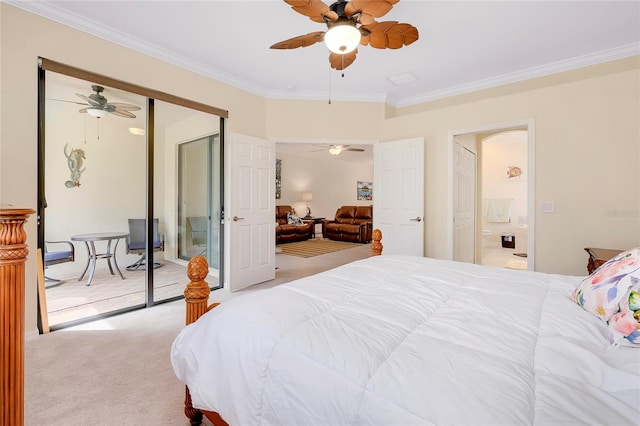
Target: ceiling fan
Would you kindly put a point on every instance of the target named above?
(350, 23)
(98, 106)
(339, 149)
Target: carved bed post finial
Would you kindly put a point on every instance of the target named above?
(197, 297)
(13, 254)
(197, 292)
(376, 246)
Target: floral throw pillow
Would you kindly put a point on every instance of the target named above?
(612, 293)
(626, 323)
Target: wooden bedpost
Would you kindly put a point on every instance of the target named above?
(197, 292)
(376, 246)
(13, 254)
(197, 296)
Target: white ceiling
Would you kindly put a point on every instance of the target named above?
(463, 45)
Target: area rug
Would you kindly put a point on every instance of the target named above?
(310, 248)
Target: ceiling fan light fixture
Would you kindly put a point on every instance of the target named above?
(334, 150)
(343, 37)
(97, 112)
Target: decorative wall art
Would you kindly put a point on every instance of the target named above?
(365, 190)
(514, 173)
(75, 158)
(278, 178)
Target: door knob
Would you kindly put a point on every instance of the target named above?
(236, 218)
(417, 219)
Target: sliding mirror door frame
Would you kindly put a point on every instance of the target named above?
(45, 65)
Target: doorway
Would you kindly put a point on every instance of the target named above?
(309, 167)
(504, 218)
(499, 201)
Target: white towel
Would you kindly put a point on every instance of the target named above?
(498, 210)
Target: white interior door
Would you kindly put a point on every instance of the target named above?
(464, 195)
(251, 217)
(398, 184)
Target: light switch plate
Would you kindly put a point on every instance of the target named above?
(547, 207)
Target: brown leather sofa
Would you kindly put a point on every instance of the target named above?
(351, 223)
(288, 233)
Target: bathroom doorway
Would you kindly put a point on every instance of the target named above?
(504, 215)
(491, 206)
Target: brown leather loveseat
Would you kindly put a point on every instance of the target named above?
(288, 233)
(351, 223)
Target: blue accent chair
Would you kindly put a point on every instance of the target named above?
(137, 241)
(65, 253)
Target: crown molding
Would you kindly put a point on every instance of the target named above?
(620, 52)
(80, 23)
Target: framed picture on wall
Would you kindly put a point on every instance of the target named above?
(365, 190)
(278, 178)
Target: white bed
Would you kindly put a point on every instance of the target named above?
(397, 340)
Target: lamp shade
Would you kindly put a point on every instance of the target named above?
(343, 37)
(334, 150)
(307, 196)
(97, 112)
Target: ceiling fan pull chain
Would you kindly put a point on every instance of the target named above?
(329, 86)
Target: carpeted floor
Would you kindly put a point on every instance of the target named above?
(315, 247)
(117, 371)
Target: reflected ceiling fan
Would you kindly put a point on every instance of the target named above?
(339, 149)
(98, 106)
(350, 23)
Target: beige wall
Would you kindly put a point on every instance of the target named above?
(333, 184)
(586, 135)
(319, 120)
(587, 151)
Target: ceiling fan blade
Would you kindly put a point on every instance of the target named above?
(70, 102)
(300, 41)
(340, 62)
(364, 19)
(124, 107)
(389, 35)
(88, 99)
(120, 113)
(316, 10)
(369, 9)
(354, 149)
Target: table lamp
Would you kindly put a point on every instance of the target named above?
(307, 196)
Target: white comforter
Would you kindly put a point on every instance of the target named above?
(395, 340)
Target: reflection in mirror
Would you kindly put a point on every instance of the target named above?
(94, 181)
(188, 154)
